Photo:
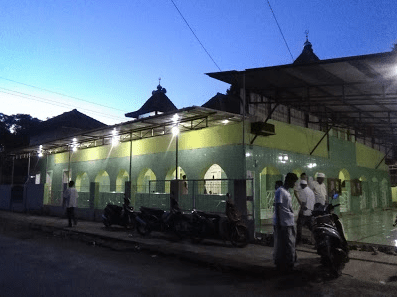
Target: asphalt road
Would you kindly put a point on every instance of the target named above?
(34, 263)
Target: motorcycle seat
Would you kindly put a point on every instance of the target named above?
(325, 219)
(114, 208)
(207, 215)
(155, 211)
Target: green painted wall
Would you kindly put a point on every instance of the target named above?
(343, 156)
(394, 194)
(222, 145)
(204, 138)
(294, 139)
(369, 157)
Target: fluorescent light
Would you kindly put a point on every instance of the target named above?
(175, 118)
(175, 130)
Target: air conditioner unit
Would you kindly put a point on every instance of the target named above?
(262, 128)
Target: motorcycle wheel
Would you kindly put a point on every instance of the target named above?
(143, 229)
(337, 265)
(334, 264)
(106, 223)
(239, 236)
(196, 240)
(130, 224)
(181, 228)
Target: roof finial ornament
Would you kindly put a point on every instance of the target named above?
(160, 89)
(307, 42)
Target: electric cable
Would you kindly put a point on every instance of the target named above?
(180, 13)
(285, 41)
(55, 103)
(64, 95)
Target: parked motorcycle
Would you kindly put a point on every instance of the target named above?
(119, 215)
(154, 219)
(229, 227)
(330, 240)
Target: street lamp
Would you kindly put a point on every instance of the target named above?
(175, 132)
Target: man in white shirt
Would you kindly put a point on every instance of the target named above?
(284, 255)
(319, 189)
(70, 197)
(298, 188)
(306, 201)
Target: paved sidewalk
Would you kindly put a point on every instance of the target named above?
(255, 258)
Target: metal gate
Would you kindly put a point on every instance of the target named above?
(267, 212)
(204, 194)
(345, 201)
(363, 201)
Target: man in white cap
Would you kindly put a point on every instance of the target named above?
(298, 188)
(306, 200)
(319, 189)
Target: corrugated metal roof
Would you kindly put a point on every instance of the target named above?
(190, 118)
(359, 92)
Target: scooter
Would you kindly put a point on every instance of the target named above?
(229, 227)
(117, 215)
(329, 237)
(154, 219)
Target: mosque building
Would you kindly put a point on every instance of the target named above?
(329, 116)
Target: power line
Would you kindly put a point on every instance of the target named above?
(64, 95)
(195, 35)
(52, 102)
(285, 41)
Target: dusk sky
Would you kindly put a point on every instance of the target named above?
(112, 53)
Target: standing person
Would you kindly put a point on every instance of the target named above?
(70, 196)
(278, 184)
(184, 185)
(297, 187)
(319, 189)
(283, 221)
(306, 199)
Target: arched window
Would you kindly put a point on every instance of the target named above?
(82, 182)
(104, 181)
(122, 177)
(268, 178)
(344, 198)
(83, 187)
(212, 185)
(384, 190)
(375, 192)
(364, 193)
(171, 175)
(144, 177)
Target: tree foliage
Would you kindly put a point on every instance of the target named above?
(15, 130)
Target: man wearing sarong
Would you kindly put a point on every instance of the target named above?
(284, 255)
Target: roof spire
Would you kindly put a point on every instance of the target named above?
(160, 89)
(307, 42)
(307, 54)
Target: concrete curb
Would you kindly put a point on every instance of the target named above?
(255, 259)
(177, 249)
